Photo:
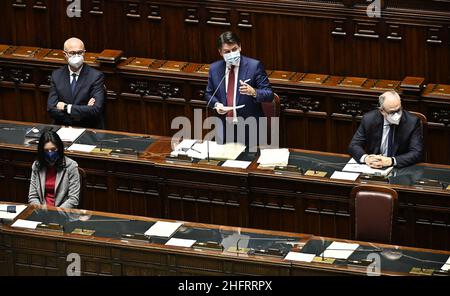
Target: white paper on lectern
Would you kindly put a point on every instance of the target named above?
(344, 176)
(179, 242)
(70, 134)
(446, 266)
(81, 148)
(236, 164)
(231, 108)
(163, 229)
(339, 250)
(302, 257)
(216, 151)
(353, 166)
(274, 157)
(25, 224)
(10, 216)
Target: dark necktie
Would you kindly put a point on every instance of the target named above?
(230, 90)
(390, 150)
(73, 86)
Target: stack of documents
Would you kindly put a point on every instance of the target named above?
(273, 157)
(26, 224)
(10, 216)
(339, 250)
(70, 134)
(353, 166)
(183, 147)
(222, 152)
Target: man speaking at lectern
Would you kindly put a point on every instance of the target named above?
(237, 80)
(388, 136)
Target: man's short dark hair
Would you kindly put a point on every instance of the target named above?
(228, 38)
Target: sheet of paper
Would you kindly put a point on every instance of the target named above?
(178, 242)
(344, 176)
(25, 224)
(81, 148)
(163, 229)
(10, 216)
(302, 257)
(446, 266)
(186, 144)
(339, 250)
(228, 151)
(228, 109)
(353, 166)
(273, 157)
(236, 164)
(70, 134)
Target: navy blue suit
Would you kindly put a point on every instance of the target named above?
(408, 138)
(90, 84)
(248, 69)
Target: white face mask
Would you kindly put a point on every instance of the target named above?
(232, 58)
(394, 118)
(76, 61)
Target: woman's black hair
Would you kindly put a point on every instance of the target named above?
(50, 136)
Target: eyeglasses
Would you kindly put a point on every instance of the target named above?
(74, 53)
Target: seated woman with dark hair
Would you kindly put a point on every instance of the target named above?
(55, 180)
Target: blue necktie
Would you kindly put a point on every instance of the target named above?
(390, 151)
(73, 86)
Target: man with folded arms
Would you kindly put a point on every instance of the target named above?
(77, 91)
(388, 136)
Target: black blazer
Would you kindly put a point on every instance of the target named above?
(408, 138)
(90, 84)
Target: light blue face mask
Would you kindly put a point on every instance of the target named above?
(232, 58)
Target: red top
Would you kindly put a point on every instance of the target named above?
(50, 181)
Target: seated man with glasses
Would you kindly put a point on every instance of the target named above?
(77, 91)
(388, 136)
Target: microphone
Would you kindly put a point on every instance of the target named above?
(227, 70)
(270, 251)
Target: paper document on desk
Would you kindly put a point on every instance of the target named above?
(81, 148)
(236, 164)
(163, 229)
(183, 147)
(10, 216)
(446, 266)
(339, 250)
(70, 134)
(273, 157)
(302, 257)
(25, 224)
(178, 242)
(227, 151)
(353, 166)
(337, 175)
(228, 109)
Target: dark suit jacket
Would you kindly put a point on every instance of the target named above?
(248, 69)
(408, 139)
(90, 84)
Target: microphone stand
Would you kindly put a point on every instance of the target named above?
(227, 69)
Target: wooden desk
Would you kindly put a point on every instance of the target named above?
(43, 252)
(149, 186)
